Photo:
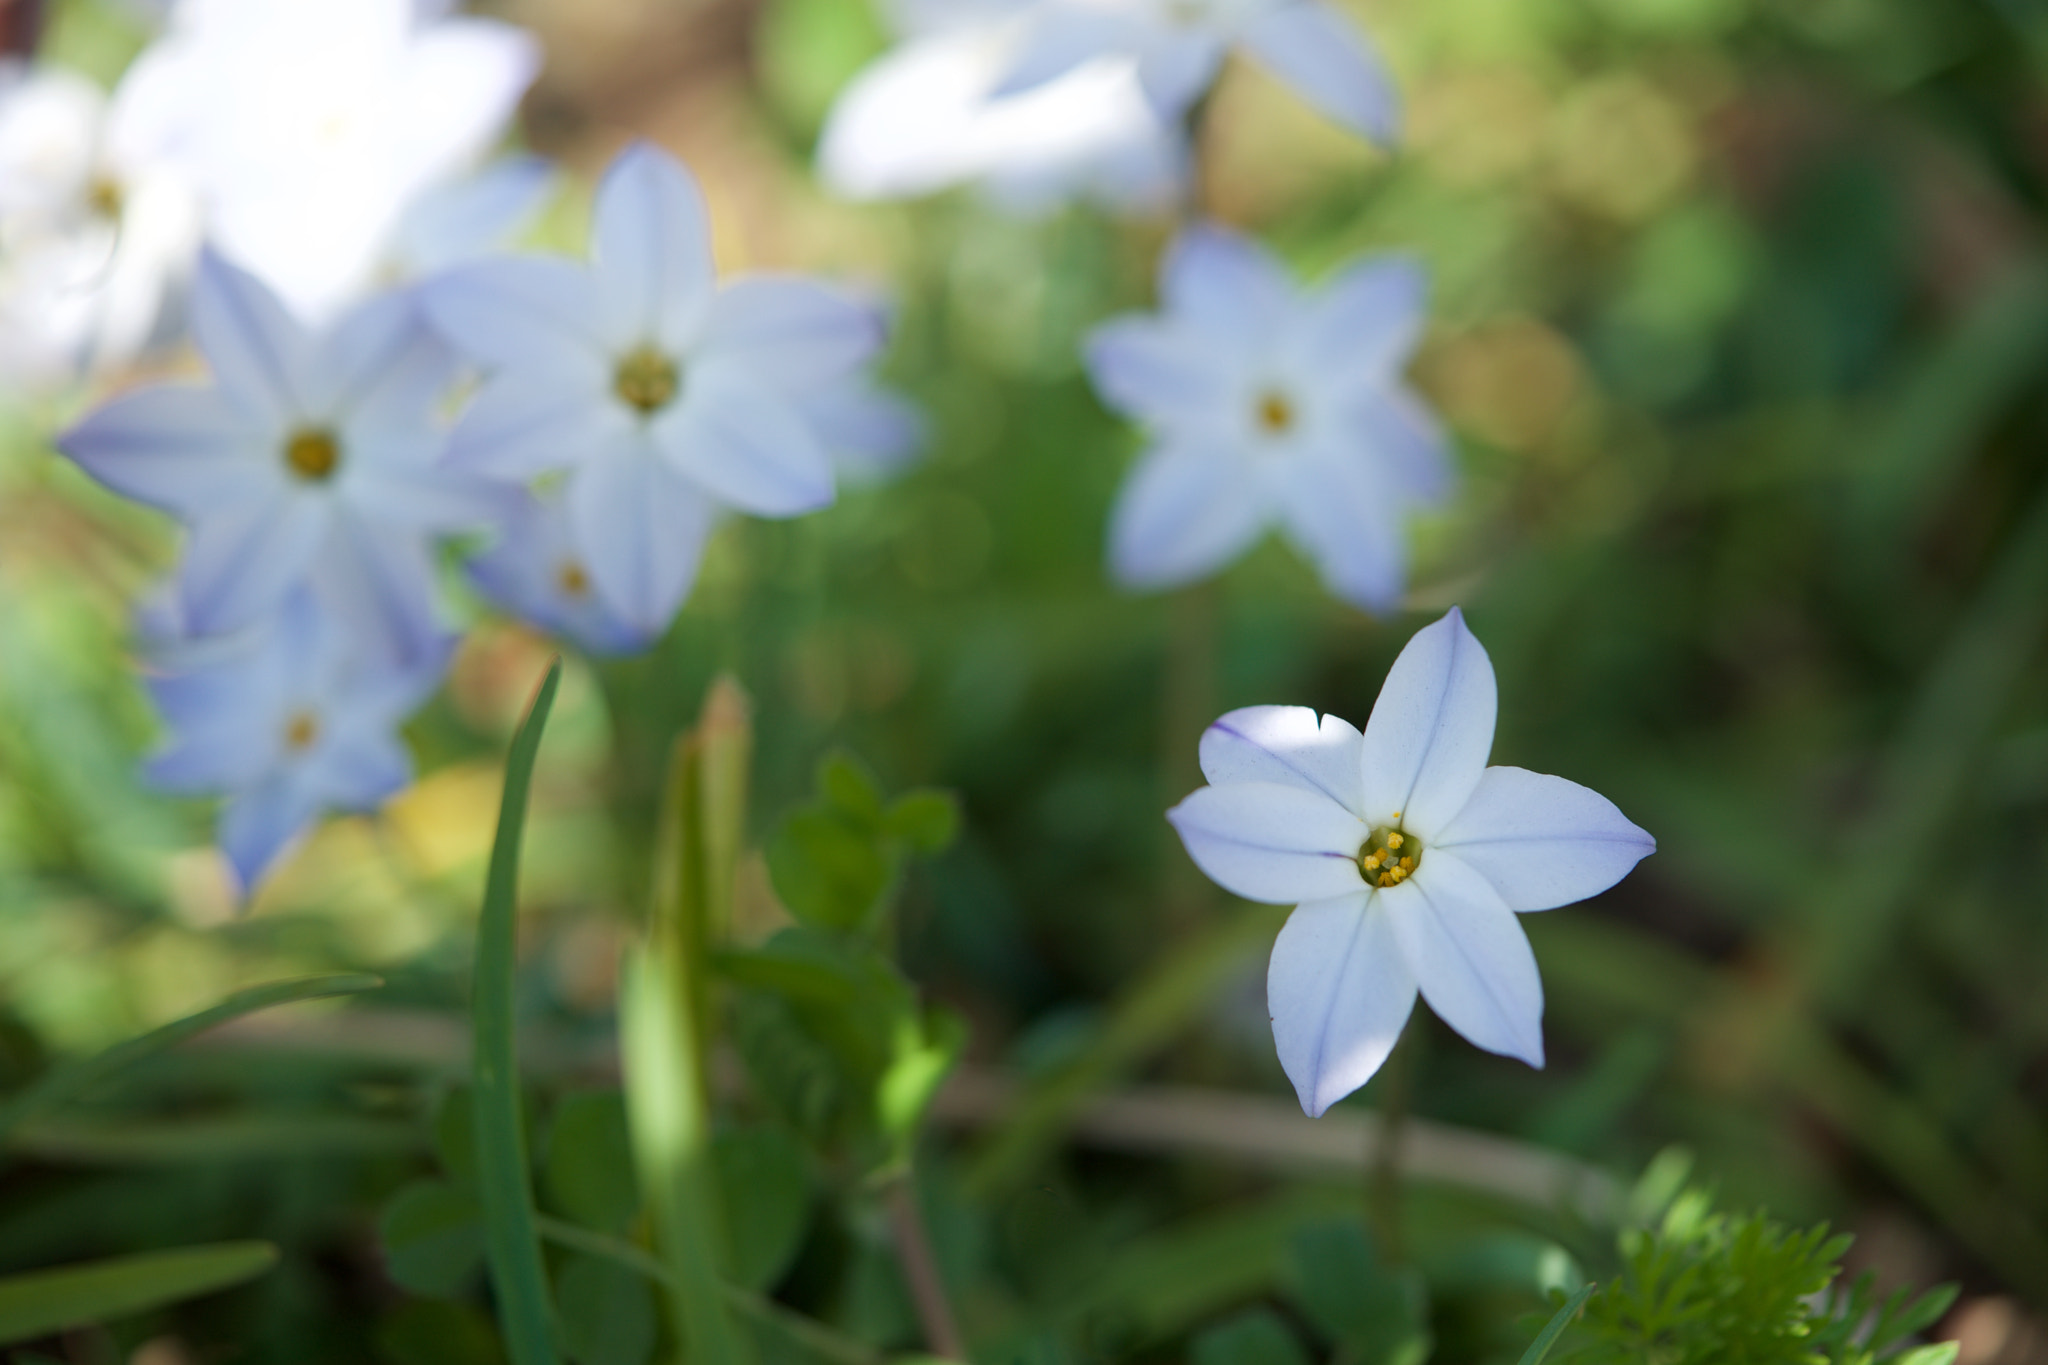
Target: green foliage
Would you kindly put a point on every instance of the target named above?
(1375, 1315)
(44, 1301)
(607, 1312)
(836, 861)
(1709, 1288)
(1257, 1337)
(432, 1233)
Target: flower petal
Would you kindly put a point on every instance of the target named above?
(1469, 956)
(1226, 285)
(1288, 745)
(1147, 368)
(530, 312)
(1542, 841)
(652, 242)
(641, 528)
(1176, 69)
(174, 446)
(257, 825)
(379, 581)
(1427, 739)
(746, 445)
(260, 356)
(1184, 512)
(242, 562)
(1339, 992)
(382, 367)
(1346, 519)
(791, 332)
(221, 720)
(871, 432)
(1271, 842)
(526, 423)
(1366, 319)
(364, 764)
(1322, 56)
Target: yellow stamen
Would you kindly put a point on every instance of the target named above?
(1394, 839)
(312, 454)
(301, 731)
(646, 380)
(572, 579)
(1276, 413)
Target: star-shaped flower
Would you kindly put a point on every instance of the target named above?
(310, 458)
(654, 387)
(535, 572)
(1270, 404)
(1179, 46)
(287, 723)
(1409, 859)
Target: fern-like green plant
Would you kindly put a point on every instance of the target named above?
(1708, 1288)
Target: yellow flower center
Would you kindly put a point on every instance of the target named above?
(573, 579)
(301, 731)
(1389, 855)
(1275, 413)
(646, 380)
(105, 198)
(312, 453)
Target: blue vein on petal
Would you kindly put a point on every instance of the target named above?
(1436, 722)
(1284, 762)
(1492, 996)
(1330, 1005)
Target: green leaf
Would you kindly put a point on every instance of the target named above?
(513, 1246)
(433, 1237)
(927, 819)
(1552, 1330)
(828, 872)
(589, 1171)
(925, 1053)
(846, 784)
(1257, 1337)
(608, 1313)
(762, 1171)
(455, 1135)
(438, 1332)
(69, 1081)
(45, 1301)
(1375, 1314)
(1938, 1353)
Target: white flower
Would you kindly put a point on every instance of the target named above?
(462, 219)
(871, 432)
(1268, 404)
(287, 724)
(310, 458)
(928, 116)
(97, 226)
(535, 571)
(1179, 45)
(660, 392)
(312, 124)
(1409, 858)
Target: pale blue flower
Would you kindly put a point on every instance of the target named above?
(463, 219)
(310, 459)
(535, 572)
(653, 386)
(1408, 858)
(1269, 405)
(286, 721)
(872, 432)
(1178, 47)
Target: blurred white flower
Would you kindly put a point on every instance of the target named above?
(290, 723)
(663, 394)
(1178, 47)
(1409, 858)
(928, 116)
(1270, 404)
(312, 124)
(535, 572)
(462, 219)
(871, 432)
(310, 458)
(97, 226)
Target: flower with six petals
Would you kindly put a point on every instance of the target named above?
(1407, 858)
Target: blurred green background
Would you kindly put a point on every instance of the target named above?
(1740, 318)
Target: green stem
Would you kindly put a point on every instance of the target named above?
(512, 1243)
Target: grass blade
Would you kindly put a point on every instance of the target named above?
(512, 1243)
(1554, 1329)
(45, 1301)
(65, 1083)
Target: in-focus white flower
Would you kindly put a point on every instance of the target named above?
(1178, 47)
(535, 572)
(1408, 858)
(1267, 404)
(310, 458)
(97, 226)
(312, 124)
(289, 724)
(662, 393)
(928, 116)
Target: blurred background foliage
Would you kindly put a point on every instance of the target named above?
(1740, 317)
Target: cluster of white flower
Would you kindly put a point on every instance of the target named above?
(312, 166)
(332, 265)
